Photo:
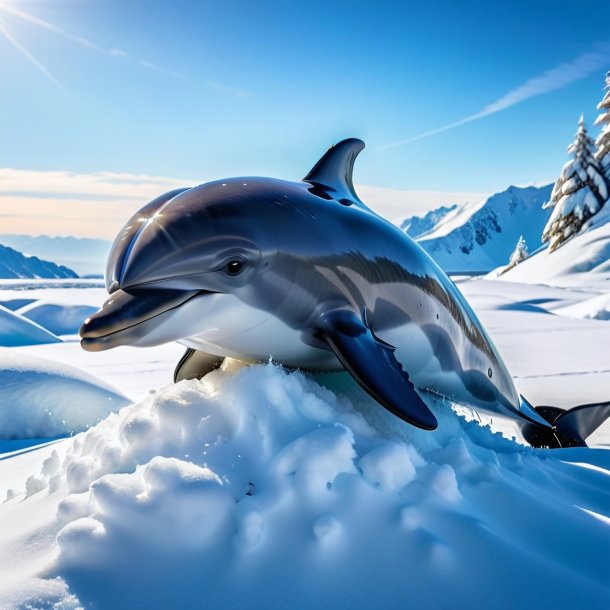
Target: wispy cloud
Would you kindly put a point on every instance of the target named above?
(234, 91)
(84, 42)
(556, 78)
(21, 49)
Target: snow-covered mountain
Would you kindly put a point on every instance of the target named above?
(86, 256)
(419, 225)
(14, 264)
(481, 236)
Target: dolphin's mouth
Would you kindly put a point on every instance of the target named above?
(123, 316)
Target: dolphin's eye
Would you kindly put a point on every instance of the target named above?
(234, 267)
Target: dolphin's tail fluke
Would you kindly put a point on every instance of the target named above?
(570, 427)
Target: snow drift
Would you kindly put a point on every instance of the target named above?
(264, 488)
(43, 399)
(583, 260)
(18, 330)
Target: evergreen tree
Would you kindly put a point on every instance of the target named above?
(603, 141)
(520, 253)
(579, 193)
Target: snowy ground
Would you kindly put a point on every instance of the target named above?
(263, 488)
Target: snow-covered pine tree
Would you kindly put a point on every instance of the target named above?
(520, 253)
(580, 191)
(603, 140)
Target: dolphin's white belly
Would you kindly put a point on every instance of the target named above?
(236, 330)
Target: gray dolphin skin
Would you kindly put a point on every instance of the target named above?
(305, 273)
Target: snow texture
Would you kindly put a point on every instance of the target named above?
(263, 487)
(595, 308)
(583, 260)
(58, 318)
(18, 330)
(42, 399)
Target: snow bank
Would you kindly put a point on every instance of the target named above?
(263, 488)
(583, 260)
(43, 399)
(16, 330)
(58, 318)
(597, 308)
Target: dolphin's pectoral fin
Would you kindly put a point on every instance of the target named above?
(195, 364)
(373, 365)
(334, 171)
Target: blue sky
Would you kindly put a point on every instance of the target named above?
(212, 89)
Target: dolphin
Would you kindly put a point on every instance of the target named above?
(305, 273)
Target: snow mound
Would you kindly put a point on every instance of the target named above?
(597, 308)
(263, 488)
(43, 399)
(17, 330)
(58, 318)
(583, 260)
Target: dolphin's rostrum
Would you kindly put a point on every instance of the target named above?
(306, 273)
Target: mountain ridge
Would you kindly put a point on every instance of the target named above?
(16, 265)
(84, 255)
(480, 236)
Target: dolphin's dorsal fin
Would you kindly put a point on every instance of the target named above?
(334, 169)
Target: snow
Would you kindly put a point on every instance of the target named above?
(72, 292)
(263, 487)
(259, 484)
(136, 371)
(58, 318)
(41, 398)
(415, 226)
(18, 330)
(36, 311)
(583, 260)
(596, 308)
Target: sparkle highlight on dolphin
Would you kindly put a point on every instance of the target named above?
(304, 272)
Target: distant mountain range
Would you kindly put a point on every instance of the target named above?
(478, 237)
(15, 265)
(84, 255)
